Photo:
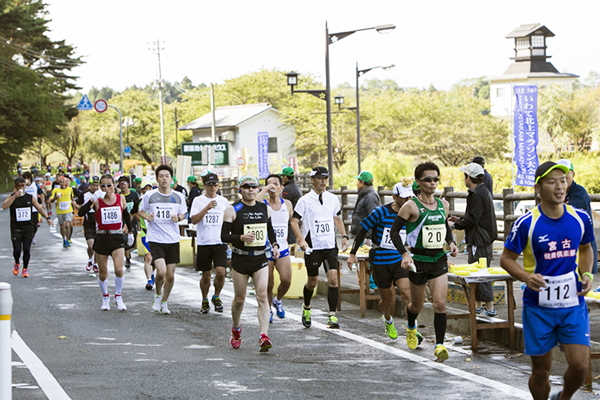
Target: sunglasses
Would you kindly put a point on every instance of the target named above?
(106, 186)
(430, 179)
(215, 184)
(248, 187)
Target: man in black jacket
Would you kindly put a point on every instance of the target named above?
(488, 181)
(480, 228)
(367, 201)
(290, 192)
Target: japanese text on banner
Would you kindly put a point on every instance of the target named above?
(526, 134)
(263, 154)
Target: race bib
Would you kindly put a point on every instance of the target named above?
(163, 214)
(386, 239)
(323, 228)
(280, 231)
(433, 236)
(110, 215)
(560, 292)
(260, 234)
(64, 205)
(23, 214)
(129, 206)
(212, 219)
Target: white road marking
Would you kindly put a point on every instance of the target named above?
(42, 376)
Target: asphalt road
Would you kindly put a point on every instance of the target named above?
(65, 347)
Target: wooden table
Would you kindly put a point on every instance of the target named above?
(470, 285)
(593, 356)
(364, 290)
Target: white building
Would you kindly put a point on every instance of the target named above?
(239, 126)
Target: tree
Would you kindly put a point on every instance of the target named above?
(68, 141)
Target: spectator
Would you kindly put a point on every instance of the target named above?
(291, 191)
(178, 188)
(367, 201)
(488, 181)
(194, 192)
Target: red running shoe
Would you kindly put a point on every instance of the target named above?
(236, 340)
(264, 343)
(16, 269)
(88, 267)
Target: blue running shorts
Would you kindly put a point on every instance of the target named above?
(284, 253)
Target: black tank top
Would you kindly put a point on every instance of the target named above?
(21, 214)
(251, 219)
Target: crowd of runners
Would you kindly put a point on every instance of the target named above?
(411, 239)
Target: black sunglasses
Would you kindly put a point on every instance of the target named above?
(430, 179)
(106, 186)
(214, 184)
(248, 187)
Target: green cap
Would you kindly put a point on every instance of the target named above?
(287, 171)
(365, 176)
(138, 180)
(415, 186)
(174, 180)
(191, 178)
(566, 163)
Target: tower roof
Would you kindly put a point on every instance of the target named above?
(528, 30)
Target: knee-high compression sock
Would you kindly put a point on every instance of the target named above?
(439, 324)
(103, 286)
(16, 250)
(26, 253)
(332, 298)
(411, 318)
(118, 285)
(307, 296)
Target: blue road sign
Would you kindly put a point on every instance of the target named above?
(127, 151)
(85, 104)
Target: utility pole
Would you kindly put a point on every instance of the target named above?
(163, 158)
(176, 133)
(213, 128)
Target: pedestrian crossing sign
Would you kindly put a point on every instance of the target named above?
(85, 104)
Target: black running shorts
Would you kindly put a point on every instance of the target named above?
(386, 275)
(427, 271)
(168, 252)
(205, 255)
(106, 244)
(248, 265)
(327, 257)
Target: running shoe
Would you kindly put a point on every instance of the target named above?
(16, 269)
(216, 301)
(236, 339)
(128, 263)
(492, 313)
(152, 279)
(70, 241)
(25, 273)
(95, 268)
(555, 396)
(271, 317)
(481, 311)
(88, 267)
(264, 343)
(390, 329)
(65, 243)
(333, 322)
(164, 309)
(440, 352)
(306, 317)
(279, 307)
(149, 285)
(105, 303)
(205, 307)
(119, 301)
(156, 303)
(419, 338)
(411, 338)
(34, 240)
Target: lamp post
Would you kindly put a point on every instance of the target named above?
(332, 38)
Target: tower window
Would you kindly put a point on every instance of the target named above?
(537, 41)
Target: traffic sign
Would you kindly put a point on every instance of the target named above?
(85, 104)
(239, 161)
(127, 151)
(100, 105)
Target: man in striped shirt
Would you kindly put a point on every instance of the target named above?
(384, 257)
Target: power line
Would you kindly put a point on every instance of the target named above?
(14, 46)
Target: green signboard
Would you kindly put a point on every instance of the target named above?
(206, 153)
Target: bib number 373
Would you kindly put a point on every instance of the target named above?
(560, 292)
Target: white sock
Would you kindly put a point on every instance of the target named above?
(276, 300)
(389, 321)
(103, 286)
(118, 285)
(91, 260)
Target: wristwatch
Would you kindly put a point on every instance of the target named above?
(346, 237)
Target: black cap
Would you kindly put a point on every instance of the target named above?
(479, 160)
(319, 172)
(123, 178)
(210, 178)
(545, 168)
(95, 179)
(18, 180)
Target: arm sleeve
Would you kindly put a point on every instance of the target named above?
(395, 234)
(127, 220)
(271, 233)
(85, 208)
(226, 236)
(449, 235)
(360, 237)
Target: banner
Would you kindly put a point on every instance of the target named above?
(526, 134)
(205, 153)
(263, 154)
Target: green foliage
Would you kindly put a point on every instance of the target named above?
(388, 168)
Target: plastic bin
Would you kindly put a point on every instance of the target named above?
(299, 276)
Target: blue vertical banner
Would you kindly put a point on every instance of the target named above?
(526, 134)
(263, 154)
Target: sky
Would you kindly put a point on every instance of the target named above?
(435, 42)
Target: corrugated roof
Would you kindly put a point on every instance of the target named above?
(529, 29)
(228, 116)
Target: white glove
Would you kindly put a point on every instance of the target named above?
(98, 194)
(129, 239)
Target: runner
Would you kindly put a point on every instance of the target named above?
(247, 225)
(426, 232)
(281, 214)
(110, 216)
(34, 190)
(207, 213)
(163, 208)
(383, 256)
(555, 240)
(320, 212)
(89, 223)
(21, 223)
(63, 196)
(131, 197)
(148, 265)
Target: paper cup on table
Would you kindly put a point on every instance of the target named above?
(483, 262)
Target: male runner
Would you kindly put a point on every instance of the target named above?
(63, 196)
(426, 232)
(21, 223)
(384, 257)
(320, 212)
(207, 212)
(551, 237)
(131, 197)
(281, 214)
(89, 223)
(148, 267)
(247, 225)
(163, 208)
(33, 189)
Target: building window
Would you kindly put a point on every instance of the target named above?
(500, 92)
(537, 41)
(272, 145)
(522, 43)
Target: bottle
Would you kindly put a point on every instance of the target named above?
(228, 252)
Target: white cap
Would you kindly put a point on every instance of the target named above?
(403, 191)
(473, 170)
(566, 163)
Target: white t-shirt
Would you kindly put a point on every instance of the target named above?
(162, 229)
(317, 218)
(208, 230)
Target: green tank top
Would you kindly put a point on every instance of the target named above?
(428, 232)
